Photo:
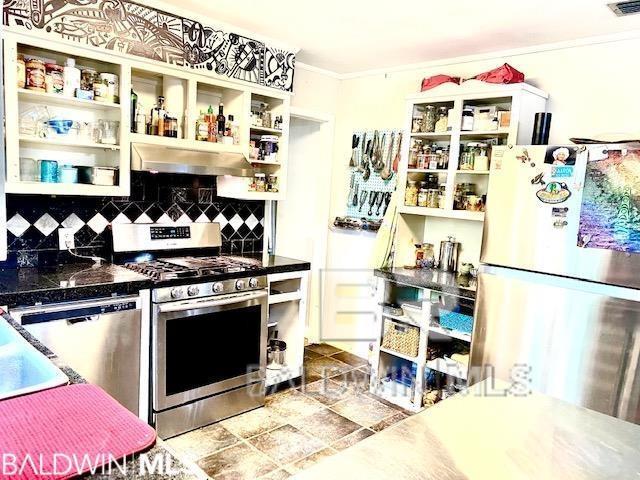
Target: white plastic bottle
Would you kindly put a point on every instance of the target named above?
(71, 76)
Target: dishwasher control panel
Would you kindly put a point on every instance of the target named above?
(75, 314)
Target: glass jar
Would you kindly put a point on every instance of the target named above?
(467, 158)
(429, 119)
(259, 180)
(431, 161)
(443, 120)
(467, 119)
(423, 197)
(428, 255)
(419, 255)
(411, 193)
(416, 148)
(416, 124)
(432, 198)
(443, 159)
(272, 183)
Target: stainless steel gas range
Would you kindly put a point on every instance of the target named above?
(208, 324)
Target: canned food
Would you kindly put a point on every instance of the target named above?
(36, 74)
(56, 74)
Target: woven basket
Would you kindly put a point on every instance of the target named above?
(401, 338)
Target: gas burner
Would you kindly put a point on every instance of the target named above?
(189, 267)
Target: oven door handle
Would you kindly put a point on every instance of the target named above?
(212, 303)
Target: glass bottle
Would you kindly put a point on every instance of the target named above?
(134, 110)
(202, 128)
(210, 118)
(220, 121)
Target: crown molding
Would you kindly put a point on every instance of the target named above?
(545, 47)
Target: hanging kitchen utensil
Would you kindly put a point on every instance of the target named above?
(363, 199)
(352, 185)
(354, 150)
(379, 202)
(355, 196)
(365, 155)
(367, 163)
(396, 160)
(387, 173)
(378, 163)
(373, 196)
(387, 200)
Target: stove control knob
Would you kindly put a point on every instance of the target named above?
(240, 284)
(218, 287)
(253, 282)
(176, 293)
(193, 290)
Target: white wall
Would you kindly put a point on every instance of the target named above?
(593, 89)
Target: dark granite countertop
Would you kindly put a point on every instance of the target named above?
(183, 470)
(461, 285)
(27, 286)
(278, 264)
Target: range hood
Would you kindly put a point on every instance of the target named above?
(178, 159)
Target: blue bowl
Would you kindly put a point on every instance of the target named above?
(61, 127)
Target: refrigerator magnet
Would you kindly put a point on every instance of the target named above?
(561, 155)
(559, 212)
(554, 192)
(538, 179)
(561, 171)
(560, 223)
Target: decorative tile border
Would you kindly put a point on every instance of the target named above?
(135, 29)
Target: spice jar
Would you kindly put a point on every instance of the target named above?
(260, 182)
(423, 198)
(429, 119)
(35, 74)
(22, 71)
(411, 193)
(55, 78)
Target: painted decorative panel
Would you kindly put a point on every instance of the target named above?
(131, 28)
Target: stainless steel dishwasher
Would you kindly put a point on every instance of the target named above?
(102, 339)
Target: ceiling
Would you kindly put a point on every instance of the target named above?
(347, 36)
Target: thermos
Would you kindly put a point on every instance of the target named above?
(541, 128)
(449, 250)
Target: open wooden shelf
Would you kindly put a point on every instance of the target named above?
(58, 99)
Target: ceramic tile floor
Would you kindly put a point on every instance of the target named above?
(331, 411)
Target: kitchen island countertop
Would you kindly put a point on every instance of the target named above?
(484, 434)
(447, 282)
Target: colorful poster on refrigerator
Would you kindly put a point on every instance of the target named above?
(610, 214)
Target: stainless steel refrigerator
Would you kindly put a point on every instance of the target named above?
(558, 300)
